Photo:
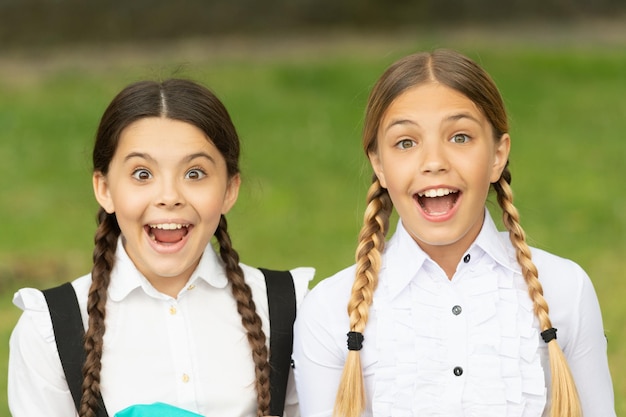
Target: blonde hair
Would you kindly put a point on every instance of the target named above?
(460, 73)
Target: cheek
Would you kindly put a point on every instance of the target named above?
(398, 172)
(478, 167)
(209, 205)
(129, 202)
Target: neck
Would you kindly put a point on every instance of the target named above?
(447, 258)
(169, 286)
(448, 255)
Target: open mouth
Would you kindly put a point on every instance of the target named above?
(167, 233)
(437, 201)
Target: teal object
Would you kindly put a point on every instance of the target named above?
(155, 410)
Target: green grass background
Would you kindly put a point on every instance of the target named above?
(298, 106)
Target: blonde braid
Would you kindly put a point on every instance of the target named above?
(350, 401)
(103, 261)
(249, 317)
(565, 401)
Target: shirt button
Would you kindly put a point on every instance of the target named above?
(456, 310)
(185, 378)
(458, 371)
(191, 287)
(466, 258)
(172, 310)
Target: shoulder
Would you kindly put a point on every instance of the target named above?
(32, 300)
(566, 286)
(322, 320)
(330, 294)
(571, 297)
(301, 276)
(35, 324)
(341, 281)
(560, 277)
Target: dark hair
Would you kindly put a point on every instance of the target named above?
(175, 99)
(462, 74)
(190, 102)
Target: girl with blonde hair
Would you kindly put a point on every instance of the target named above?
(449, 317)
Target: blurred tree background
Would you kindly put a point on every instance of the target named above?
(47, 22)
(295, 75)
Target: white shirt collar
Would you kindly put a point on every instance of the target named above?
(403, 257)
(401, 260)
(496, 244)
(125, 277)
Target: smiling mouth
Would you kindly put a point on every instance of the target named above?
(437, 201)
(167, 233)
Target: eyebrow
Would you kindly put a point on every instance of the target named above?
(459, 116)
(401, 122)
(199, 155)
(452, 118)
(138, 155)
(188, 158)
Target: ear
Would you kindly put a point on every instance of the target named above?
(102, 192)
(377, 166)
(501, 157)
(232, 192)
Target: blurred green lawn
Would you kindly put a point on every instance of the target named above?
(298, 107)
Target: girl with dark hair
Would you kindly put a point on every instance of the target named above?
(172, 327)
(449, 317)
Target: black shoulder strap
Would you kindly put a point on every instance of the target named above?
(68, 333)
(281, 298)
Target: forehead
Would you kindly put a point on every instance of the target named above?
(430, 100)
(161, 135)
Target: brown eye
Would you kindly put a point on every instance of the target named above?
(195, 174)
(142, 174)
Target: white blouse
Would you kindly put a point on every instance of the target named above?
(190, 351)
(469, 346)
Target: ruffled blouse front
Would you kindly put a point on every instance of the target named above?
(465, 346)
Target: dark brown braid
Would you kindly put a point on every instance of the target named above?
(103, 260)
(192, 103)
(249, 317)
(350, 401)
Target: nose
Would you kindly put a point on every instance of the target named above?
(170, 194)
(433, 157)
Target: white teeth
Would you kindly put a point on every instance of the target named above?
(436, 192)
(168, 226)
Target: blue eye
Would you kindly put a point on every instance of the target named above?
(195, 174)
(405, 144)
(460, 138)
(142, 174)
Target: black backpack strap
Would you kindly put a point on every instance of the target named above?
(69, 333)
(281, 299)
